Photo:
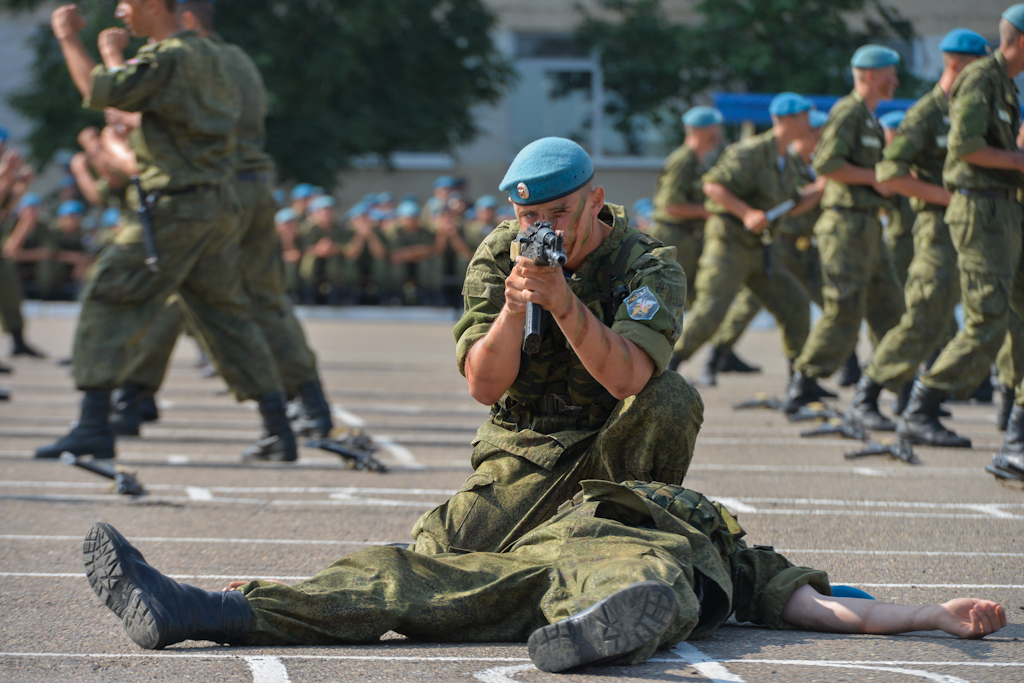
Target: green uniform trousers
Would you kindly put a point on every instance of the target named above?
(555, 572)
(931, 294)
(1010, 361)
(688, 244)
(732, 259)
(10, 297)
(987, 236)
(858, 283)
(802, 263)
(197, 241)
(900, 242)
(263, 280)
(649, 437)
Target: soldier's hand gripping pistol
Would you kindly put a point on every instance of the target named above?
(542, 245)
(146, 221)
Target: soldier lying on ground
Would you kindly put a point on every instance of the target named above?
(621, 571)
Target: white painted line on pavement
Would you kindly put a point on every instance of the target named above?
(901, 471)
(502, 674)
(198, 493)
(927, 675)
(869, 472)
(922, 553)
(398, 452)
(267, 670)
(197, 655)
(940, 585)
(707, 666)
(242, 489)
(178, 459)
(735, 505)
(167, 539)
(347, 418)
(798, 662)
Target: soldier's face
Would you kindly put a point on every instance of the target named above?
(886, 82)
(570, 215)
(133, 15)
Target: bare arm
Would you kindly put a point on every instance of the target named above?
(79, 167)
(26, 224)
(909, 186)
(990, 157)
(964, 617)
(848, 174)
(810, 198)
(66, 23)
(493, 362)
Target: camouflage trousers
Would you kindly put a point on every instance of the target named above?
(987, 236)
(520, 478)
(263, 280)
(801, 259)
(10, 298)
(733, 258)
(858, 283)
(688, 244)
(1010, 361)
(197, 240)
(557, 571)
(899, 240)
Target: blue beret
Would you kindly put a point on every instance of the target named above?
(964, 41)
(410, 197)
(285, 215)
(407, 209)
(110, 217)
(1015, 15)
(384, 198)
(302, 191)
(788, 104)
(874, 57)
(445, 181)
(703, 117)
(3, 134)
(818, 118)
(488, 201)
(546, 170)
(358, 209)
(70, 208)
(892, 120)
(29, 199)
(850, 592)
(324, 201)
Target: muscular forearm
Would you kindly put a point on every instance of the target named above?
(810, 198)
(617, 363)
(848, 174)
(80, 64)
(493, 362)
(687, 212)
(79, 167)
(909, 186)
(990, 157)
(733, 204)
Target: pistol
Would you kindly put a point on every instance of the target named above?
(542, 245)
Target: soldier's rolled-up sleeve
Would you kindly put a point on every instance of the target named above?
(764, 580)
(664, 278)
(737, 171)
(968, 119)
(835, 148)
(128, 88)
(898, 156)
(484, 292)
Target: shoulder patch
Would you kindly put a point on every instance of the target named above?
(642, 304)
(651, 241)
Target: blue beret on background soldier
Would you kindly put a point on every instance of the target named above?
(594, 401)
(984, 171)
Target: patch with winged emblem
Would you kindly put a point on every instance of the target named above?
(642, 304)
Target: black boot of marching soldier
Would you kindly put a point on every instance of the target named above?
(920, 421)
(92, 435)
(864, 409)
(849, 374)
(277, 444)
(314, 412)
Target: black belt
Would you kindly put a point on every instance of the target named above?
(186, 189)
(254, 176)
(1005, 195)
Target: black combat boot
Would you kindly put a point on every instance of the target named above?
(612, 628)
(125, 419)
(674, 362)
(5, 369)
(732, 363)
(1014, 442)
(709, 372)
(314, 415)
(1005, 407)
(864, 409)
(277, 443)
(920, 421)
(148, 412)
(849, 374)
(155, 610)
(5, 395)
(984, 391)
(902, 398)
(92, 435)
(801, 391)
(20, 348)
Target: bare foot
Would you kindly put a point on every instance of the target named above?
(970, 617)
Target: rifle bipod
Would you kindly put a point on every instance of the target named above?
(355, 447)
(125, 482)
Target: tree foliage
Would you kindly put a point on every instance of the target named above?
(655, 68)
(345, 77)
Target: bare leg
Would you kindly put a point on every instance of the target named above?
(962, 617)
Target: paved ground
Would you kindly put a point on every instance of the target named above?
(914, 534)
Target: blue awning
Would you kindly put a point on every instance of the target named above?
(740, 107)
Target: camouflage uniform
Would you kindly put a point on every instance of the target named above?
(734, 257)
(320, 276)
(606, 538)
(680, 183)
(556, 425)
(364, 277)
(10, 283)
(189, 109)
(931, 290)
(52, 276)
(260, 259)
(418, 282)
(898, 232)
(858, 280)
(984, 219)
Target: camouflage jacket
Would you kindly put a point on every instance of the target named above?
(921, 143)
(983, 112)
(851, 135)
(250, 133)
(189, 104)
(680, 183)
(554, 394)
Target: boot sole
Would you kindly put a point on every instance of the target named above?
(918, 441)
(101, 553)
(617, 625)
(141, 622)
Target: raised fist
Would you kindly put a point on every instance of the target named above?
(113, 40)
(66, 21)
